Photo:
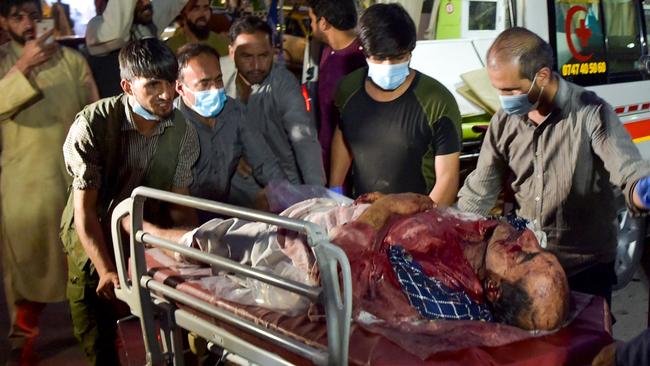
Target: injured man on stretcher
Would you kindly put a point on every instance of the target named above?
(409, 261)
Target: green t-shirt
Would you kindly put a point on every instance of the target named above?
(394, 144)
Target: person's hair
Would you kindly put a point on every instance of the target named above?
(192, 50)
(513, 302)
(190, 4)
(341, 14)
(386, 31)
(249, 24)
(523, 47)
(7, 5)
(148, 58)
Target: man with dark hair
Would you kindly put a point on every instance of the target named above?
(275, 107)
(113, 146)
(399, 128)
(44, 87)
(220, 121)
(195, 20)
(333, 22)
(565, 147)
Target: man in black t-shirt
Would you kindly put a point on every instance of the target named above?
(400, 129)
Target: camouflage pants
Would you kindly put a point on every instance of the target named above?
(93, 318)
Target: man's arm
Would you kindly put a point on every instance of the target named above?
(613, 145)
(447, 177)
(17, 80)
(92, 239)
(110, 31)
(483, 185)
(187, 156)
(446, 147)
(263, 162)
(340, 161)
(182, 215)
(300, 129)
(358, 237)
(83, 162)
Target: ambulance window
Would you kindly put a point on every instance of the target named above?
(623, 35)
(597, 41)
(482, 15)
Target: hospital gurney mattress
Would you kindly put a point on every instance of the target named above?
(575, 344)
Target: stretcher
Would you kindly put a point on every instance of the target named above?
(166, 302)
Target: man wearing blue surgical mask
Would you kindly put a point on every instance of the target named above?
(220, 121)
(399, 129)
(566, 148)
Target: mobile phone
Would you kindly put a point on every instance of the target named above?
(43, 26)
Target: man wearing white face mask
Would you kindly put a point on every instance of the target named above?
(565, 147)
(219, 120)
(113, 146)
(399, 129)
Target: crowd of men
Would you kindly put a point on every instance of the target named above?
(217, 117)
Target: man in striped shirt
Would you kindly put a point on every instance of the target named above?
(566, 148)
(113, 146)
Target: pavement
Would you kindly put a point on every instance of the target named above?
(56, 344)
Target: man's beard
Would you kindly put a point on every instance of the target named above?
(21, 39)
(200, 31)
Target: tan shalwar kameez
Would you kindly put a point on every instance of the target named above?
(36, 111)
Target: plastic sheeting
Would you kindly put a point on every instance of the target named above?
(575, 344)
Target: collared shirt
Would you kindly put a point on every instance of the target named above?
(431, 298)
(563, 171)
(221, 147)
(277, 109)
(84, 163)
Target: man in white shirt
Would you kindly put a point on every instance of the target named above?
(118, 22)
(124, 20)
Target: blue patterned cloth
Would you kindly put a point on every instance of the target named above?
(429, 296)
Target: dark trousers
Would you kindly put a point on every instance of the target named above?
(597, 280)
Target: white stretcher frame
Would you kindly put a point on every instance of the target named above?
(146, 296)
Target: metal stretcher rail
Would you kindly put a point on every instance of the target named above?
(335, 293)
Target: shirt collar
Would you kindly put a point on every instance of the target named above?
(129, 125)
(193, 117)
(563, 95)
